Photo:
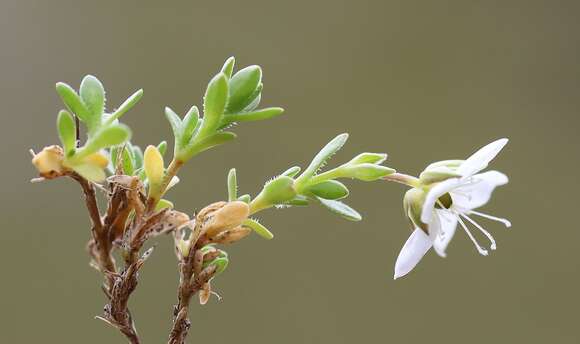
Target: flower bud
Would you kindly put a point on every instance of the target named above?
(277, 191)
(366, 172)
(49, 162)
(231, 215)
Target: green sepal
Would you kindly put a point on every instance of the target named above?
(341, 209)
(437, 174)
(257, 227)
(367, 172)
(370, 158)
(452, 164)
(67, 132)
(330, 189)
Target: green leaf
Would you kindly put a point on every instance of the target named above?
(299, 200)
(105, 137)
(255, 99)
(93, 96)
(175, 123)
(341, 209)
(221, 264)
(330, 189)
(245, 198)
(291, 172)
(162, 147)
(154, 169)
(258, 228)
(258, 115)
(67, 131)
(163, 204)
(72, 101)
(207, 143)
(188, 125)
(371, 158)
(320, 159)
(138, 155)
(90, 172)
(214, 103)
(242, 86)
(232, 185)
(228, 67)
(128, 161)
(126, 106)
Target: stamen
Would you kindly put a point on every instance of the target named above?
(506, 222)
(480, 249)
(486, 233)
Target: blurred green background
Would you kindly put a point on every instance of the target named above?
(421, 80)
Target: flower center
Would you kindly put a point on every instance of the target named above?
(444, 202)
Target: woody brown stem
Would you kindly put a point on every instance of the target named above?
(100, 238)
(189, 285)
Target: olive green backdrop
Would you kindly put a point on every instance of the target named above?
(421, 80)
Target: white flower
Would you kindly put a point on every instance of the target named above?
(453, 201)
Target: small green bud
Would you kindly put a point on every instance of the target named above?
(330, 189)
(242, 87)
(366, 172)
(277, 191)
(370, 158)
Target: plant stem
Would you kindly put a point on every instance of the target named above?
(404, 179)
